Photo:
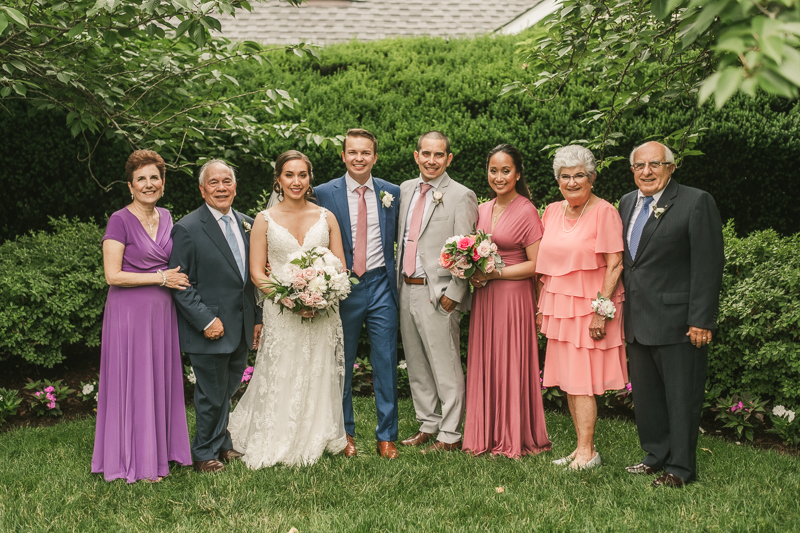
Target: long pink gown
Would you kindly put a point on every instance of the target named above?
(573, 267)
(504, 397)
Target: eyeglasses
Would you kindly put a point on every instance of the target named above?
(654, 165)
(580, 176)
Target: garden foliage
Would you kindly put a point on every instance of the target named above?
(52, 291)
(400, 88)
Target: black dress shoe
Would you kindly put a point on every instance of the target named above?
(668, 480)
(642, 468)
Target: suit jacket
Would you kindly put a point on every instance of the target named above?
(456, 214)
(675, 280)
(333, 197)
(200, 248)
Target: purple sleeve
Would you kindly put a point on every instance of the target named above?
(116, 230)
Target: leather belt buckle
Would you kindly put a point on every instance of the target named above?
(414, 281)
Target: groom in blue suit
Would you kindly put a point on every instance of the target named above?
(367, 209)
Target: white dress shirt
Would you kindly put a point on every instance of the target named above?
(420, 272)
(638, 208)
(374, 248)
(237, 232)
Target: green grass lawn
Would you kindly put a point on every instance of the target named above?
(45, 485)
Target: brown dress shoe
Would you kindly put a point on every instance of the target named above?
(418, 439)
(668, 480)
(440, 446)
(642, 468)
(230, 455)
(387, 449)
(212, 465)
(350, 448)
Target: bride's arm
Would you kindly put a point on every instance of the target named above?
(336, 238)
(258, 251)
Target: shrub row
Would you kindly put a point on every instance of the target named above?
(399, 88)
(52, 293)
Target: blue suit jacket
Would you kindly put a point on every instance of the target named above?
(218, 290)
(333, 197)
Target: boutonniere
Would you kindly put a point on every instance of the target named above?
(247, 227)
(437, 197)
(386, 199)
(658, 211)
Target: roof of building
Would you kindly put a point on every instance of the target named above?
(333, 21)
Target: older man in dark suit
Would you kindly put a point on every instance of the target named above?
(218, 320)
(672, 273)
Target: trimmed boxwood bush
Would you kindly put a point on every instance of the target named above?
(52, 291)
(399, 88)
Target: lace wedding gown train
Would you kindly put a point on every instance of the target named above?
(291, 411)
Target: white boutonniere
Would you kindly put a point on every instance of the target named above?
(386, 199)
(246, 225)
(658, 211)
(437, 197)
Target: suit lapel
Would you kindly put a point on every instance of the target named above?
(405, 202)
(343, 210)
(214, 232)
(442, 188)
(381, 212)
(664, 202)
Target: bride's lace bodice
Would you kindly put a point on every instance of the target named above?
(281, 243)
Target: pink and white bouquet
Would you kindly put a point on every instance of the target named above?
(463, 254)
(312, 280)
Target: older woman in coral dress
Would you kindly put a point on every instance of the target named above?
(580, 297)
(504, 398)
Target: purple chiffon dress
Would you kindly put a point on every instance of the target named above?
(141, 416)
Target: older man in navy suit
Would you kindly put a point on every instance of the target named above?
(367, 209)
(672, 272)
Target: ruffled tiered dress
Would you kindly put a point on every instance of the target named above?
(573, 266)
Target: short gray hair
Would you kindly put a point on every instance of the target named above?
(212, 162)
(667, 152)
(573, 155)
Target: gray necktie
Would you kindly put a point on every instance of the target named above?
(638, 226)
(231, 238)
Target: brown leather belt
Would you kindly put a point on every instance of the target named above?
(414, 281)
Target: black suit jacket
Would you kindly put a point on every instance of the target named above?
(200, 248)
(675, 280)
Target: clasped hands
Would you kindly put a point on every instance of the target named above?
(478, 279)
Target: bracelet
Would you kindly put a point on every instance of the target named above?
(604, 307)
(163, 276)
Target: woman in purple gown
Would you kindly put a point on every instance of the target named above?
(505, 414)
(141, 417)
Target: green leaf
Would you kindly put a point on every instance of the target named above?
(663, 8)
(76, 30)
(729, 82)
(16, 16)
(5, 91)
(19, 66)
(3, 23)
(20, 89)
(706, 17)
(708, 88)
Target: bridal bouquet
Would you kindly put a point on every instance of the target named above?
(312, 280)
(463, 254)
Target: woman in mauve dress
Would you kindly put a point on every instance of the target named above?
(504, 397)
(580, 257)
(141, 417)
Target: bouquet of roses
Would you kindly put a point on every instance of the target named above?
(314, 280)
(463, 254)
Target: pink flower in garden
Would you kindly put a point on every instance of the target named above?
(38, 394)
(629, 387)
(50, 389)
(248, 373)
(464, 243)
(737, 407)
(51, 405)
(355, 365)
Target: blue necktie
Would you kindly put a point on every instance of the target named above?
(229, 236)
(638, 226)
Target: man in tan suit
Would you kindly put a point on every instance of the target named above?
(433, 208)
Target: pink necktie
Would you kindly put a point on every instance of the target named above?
(360, 252)
(410, 254)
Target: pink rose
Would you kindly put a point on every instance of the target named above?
(464, 243)
(287, 303)
(309, 273)
(484, 249)
(299, 283)
(475, 255)
(493, 246)
(490, 265)
(446, 261)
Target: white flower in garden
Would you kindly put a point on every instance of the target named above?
(87, 389)
(192, 379)
(403, 365)
(779, 410)
(789, 415)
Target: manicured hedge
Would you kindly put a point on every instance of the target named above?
(400, 88)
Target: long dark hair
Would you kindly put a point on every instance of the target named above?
(292, 155)
(516, 157)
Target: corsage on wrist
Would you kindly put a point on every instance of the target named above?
(604, 307)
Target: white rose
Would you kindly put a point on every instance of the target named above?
(387, 199)
(454, 238)
(484, 249)
(437, 196)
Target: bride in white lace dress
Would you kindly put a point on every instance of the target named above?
(291, 411)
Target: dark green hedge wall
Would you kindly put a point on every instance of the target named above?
(401, 88)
